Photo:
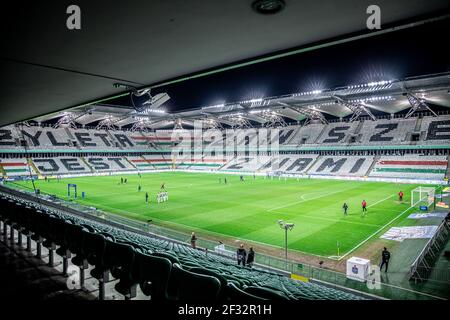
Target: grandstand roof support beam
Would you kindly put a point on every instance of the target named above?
(274, 120)
(178, 125)
(109, 123)
(356, 108)
(311, 114)
(240, 123)
(417, 105)
(67, 119)
(140, 126)
(211, 123)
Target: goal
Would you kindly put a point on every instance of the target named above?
(422, 196)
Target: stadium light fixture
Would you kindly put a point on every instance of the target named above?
(286, 226)
(147, 111)
(140, 93)
(371, 84)
(216, 106)
(307, 93)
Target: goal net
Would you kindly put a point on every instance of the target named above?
(422, 196)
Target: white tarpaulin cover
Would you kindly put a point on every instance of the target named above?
(427, 215)
(402, 233)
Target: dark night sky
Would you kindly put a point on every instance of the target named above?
(411, 52)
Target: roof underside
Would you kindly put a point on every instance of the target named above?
(46, 68)
(388, 97)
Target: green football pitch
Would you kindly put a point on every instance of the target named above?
(249, 210)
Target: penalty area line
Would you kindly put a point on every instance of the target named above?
(374, 204)
(375, 233)
(314, 198)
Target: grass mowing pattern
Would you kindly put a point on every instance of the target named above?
(250, 209)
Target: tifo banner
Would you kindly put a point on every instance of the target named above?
(402, 233)
(427, 215)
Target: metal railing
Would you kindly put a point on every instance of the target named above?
(422, 266)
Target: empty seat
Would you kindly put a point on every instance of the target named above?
(266, 293)
(235, 294)
(121, 258)
(153, 274)
(189, 286)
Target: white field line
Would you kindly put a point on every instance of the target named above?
(185, 227)
(305, 194)
(380, 201)
(272, 209)
(99, 195)
(373, 234)
(337, 220)
(297, 202)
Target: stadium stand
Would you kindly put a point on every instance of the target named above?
(342, 165)
(160, 161)
(140, 163)
(38, 138)
(431, 130)
(61, 165)
(91, 139)
(414, 166)
(163, 139)
(294, 164)
(337, 133)
(168, 149)
(109, 164)
(435, 131)
(15, 167)
(142, 140)
(394, 131)
(246, 163)
(199, 162)
(287, 134)
(307, 134)
(164, 270)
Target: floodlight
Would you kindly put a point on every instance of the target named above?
(289, 226)
(140, 93)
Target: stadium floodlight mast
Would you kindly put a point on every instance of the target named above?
(286, 226)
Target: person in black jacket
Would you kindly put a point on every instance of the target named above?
(250, 257)
(241, 255)
(385, 256)
(345, 207)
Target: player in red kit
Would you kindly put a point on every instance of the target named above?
(364, 206)
(400, 196)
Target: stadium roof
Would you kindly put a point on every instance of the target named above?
(388, 96)
(46, 68)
